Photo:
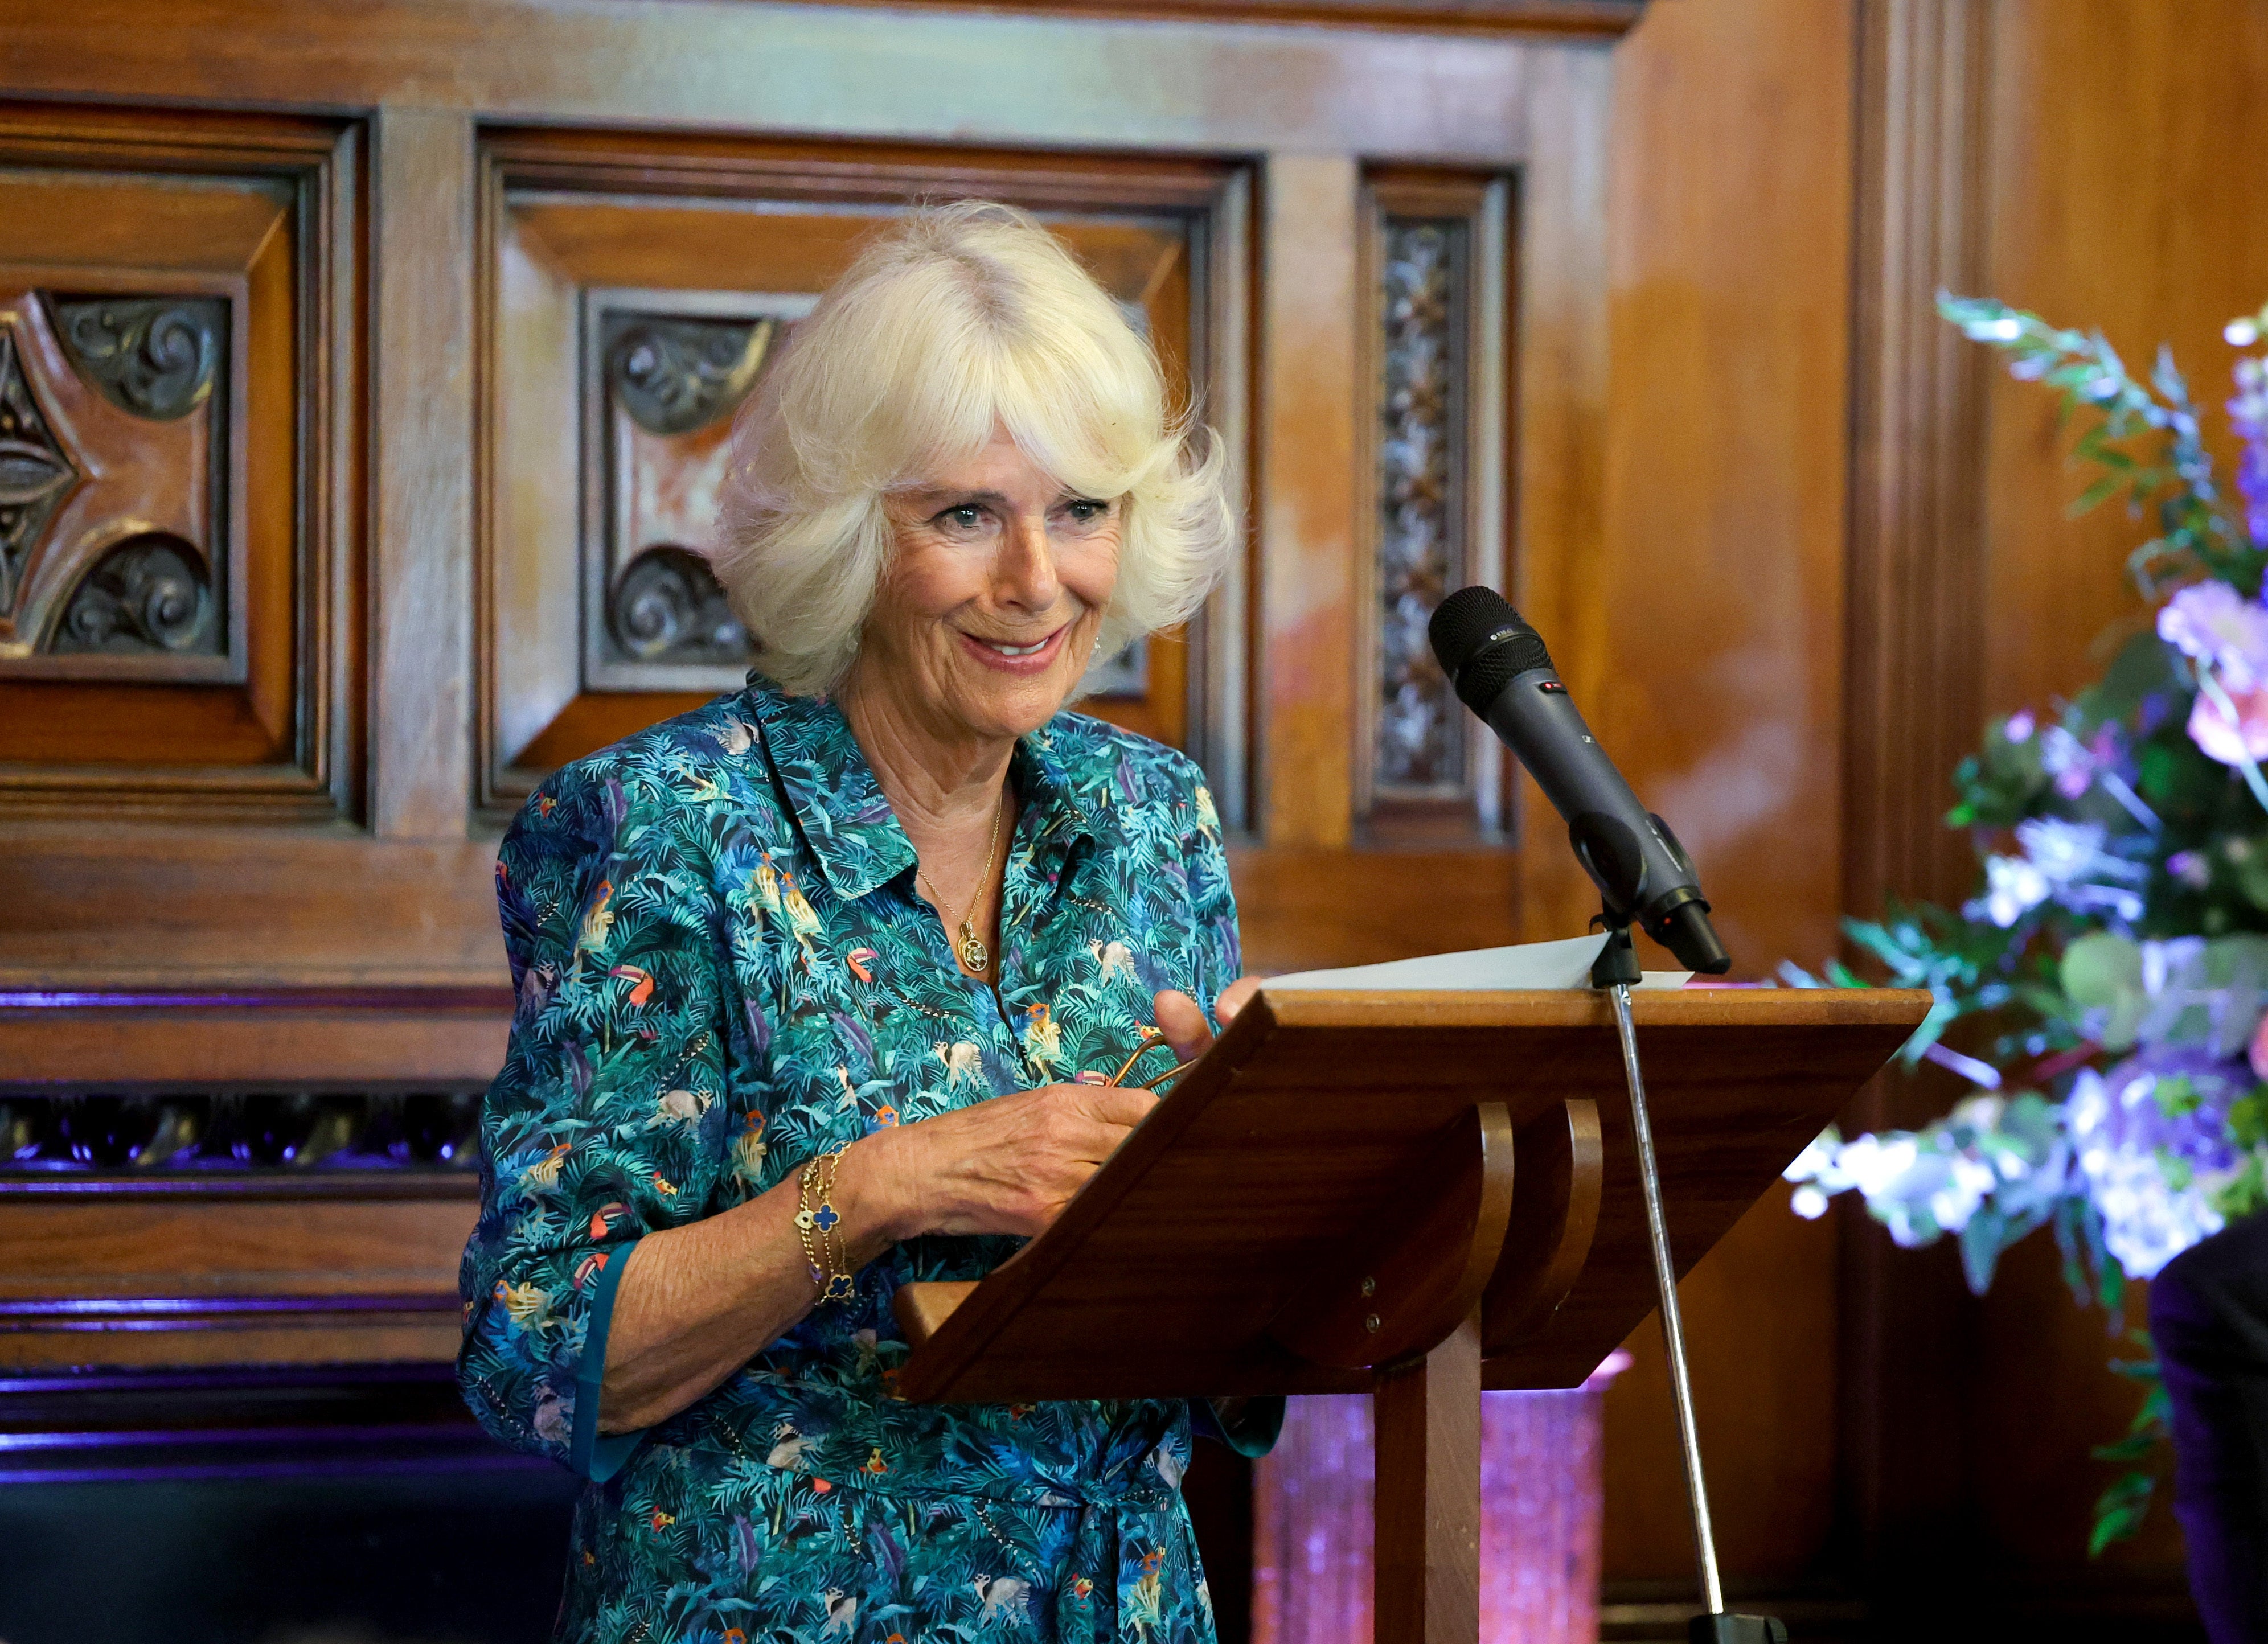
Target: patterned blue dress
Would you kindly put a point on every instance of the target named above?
(723, 969)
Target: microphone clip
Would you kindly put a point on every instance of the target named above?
(1616, 965)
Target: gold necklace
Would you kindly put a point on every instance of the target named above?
(969, 948)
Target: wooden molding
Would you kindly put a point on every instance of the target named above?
(821, 70)
(281, 1041)
(1913, 701)
(1915, 663)
(421, 593)
(1603, 18)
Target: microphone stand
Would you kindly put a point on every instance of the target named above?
(1616, 971)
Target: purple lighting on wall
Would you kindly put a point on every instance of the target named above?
(1541, 1493)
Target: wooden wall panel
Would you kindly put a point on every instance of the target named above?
(1571, 16)
(1707, 646)
(1712, 520)
(2070, 158)
(1558, 424)
(591, 242)
(181, 342)
(2112, 202)
(100, 1278)
(817, 70)
(1312, 309)
(421, 593)
(1914, 680)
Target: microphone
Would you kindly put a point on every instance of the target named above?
(1503, 673)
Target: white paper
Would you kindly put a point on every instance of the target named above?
(1532, 964)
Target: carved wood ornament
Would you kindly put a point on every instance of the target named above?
(114, 450)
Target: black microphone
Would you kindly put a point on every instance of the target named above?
(1499, 666)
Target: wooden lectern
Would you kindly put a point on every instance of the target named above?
(1416, 1195)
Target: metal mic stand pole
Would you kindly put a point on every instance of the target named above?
(1617, 971)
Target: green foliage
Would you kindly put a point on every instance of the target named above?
(1974, 969)
(2121, 1508)
(2124, 912)
(2001, 784)
(2145, 440)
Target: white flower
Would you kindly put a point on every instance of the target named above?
(2146, 1220)
(2064, 851)
(2013, 886)
(1967, 1182)
(1808, 1202)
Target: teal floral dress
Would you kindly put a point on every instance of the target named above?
(724, 968)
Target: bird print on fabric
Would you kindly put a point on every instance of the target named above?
(722, 966)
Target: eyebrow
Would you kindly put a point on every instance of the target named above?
(945, 495)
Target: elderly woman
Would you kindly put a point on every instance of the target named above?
(813, 984)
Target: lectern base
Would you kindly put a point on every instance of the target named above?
(1427, 1496)
(1736, 1630)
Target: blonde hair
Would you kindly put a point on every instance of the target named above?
(961, 318)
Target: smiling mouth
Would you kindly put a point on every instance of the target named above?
(1009, 650)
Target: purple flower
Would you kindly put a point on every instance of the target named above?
(2172, 1101)
(2247, 415)
(2074, 764)
(2222, 630)
(2146, 1132)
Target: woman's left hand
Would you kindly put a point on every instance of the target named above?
(1182, 1021)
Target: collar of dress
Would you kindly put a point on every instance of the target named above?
(840, 806)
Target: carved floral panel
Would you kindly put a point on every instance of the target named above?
(1424, 317)
(114, 487)
(665, 371)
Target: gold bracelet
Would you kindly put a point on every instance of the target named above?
(815, 1225)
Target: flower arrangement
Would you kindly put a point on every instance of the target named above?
(2109, 983)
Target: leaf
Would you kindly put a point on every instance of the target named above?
(2119, 1511)
(2099, 967)
(2133, 1447)
(2101, 492)
(2143, 666)
(1982, 1241)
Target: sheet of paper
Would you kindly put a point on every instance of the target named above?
(1531, 964)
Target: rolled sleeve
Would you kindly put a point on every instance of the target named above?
(606, 1121)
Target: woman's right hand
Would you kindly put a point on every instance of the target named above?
(1006, 1165)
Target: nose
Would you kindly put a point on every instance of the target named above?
(1024, 576)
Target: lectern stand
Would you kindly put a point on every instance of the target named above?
(1413, 1194)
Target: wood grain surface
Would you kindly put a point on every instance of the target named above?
(421, 774)
(275, 1040)
(1426, 1495)
(1309, 1117)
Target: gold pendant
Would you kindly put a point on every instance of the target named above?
(974, 956)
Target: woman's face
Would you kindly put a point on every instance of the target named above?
(987, 615)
